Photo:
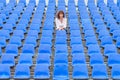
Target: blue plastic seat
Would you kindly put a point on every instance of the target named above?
(60, 72)
(118, 42)
(24, 21)
(5, 71)
(4, 33)
(78, 59)
(11, 21)
(22, 72)
(43, 59)
(96, 59)
(25, 59)
(116, 34)
(61, 49)
(75, 40)
(75, 33)
(21, 27)
(80, 71)
(18, 33)
(22, 1)
(11, 48)
(115, 72)
(60, 40)
(44, 48)
(93, 49)
(99, 71)
(103, 33)
(77, 49)
(15, 40)
(110, 49)
(61, 33)
(47, 33)
(33, 33)
(61, 59)
(113, 59)
(46, 40)
(89, 33)
(41, 72)
(8, 27)
(106, 40)
(35, 27)
(8, 60)
(28, 48)
(91, 40)
(31, 40)
(2, 41)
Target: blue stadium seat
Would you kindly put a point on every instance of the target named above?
(5, 71)
(18, 33)
(103, 33)
(110, 49)
(116, 34)
(21, 27)
(78, 59)
(91, 40)
(33, 33)
(23, 1)
(47, 33)
(118, 42)
(44, 48)
(61, 49)
(113, 59)
(24, 21)
(41, 72)
(15, 40)
(61, 59)
(35, 27)
(12, 48)
(75, 33)
(46, 40)
(11, 21)
(60, 72)
(77, 49)
(89, 33)
(80, 71)
(106, 40)
(43, 59)
(2, 41)
(115, 72)
(61, 33)
(0, 50)
(60, 40)
(99, 71)
(31, 40)
(75, 40)
(22, 72)
(8, 27)
(4, 33)
(28, 48)
(93, 49)
(96, 59)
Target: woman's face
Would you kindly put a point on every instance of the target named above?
(61, 15)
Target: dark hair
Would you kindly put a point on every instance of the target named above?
(58, 14)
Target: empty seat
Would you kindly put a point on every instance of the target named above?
(22, 72)
(80, 72)
(47, 33)
(99, 71)
(31, 40)
(25, 59)
(4, 33)
(75, 33)
(77, 49)
(113, 59)
(5, 71)
(116, 34)
(46, 40)
(8, 60)
(21, 27)
(93, 49)
(2, 41)
(118, 42)
(110, 49)
(15, 40)
(75, 40)
(18, 33)
(106, 40)
(78, 59)
(61, 59)
(61, 33)
(35, 27)
(115, 72)
(96, 59)
(43, 59)
(41, 72)
(44, 48)
(28, 48)
(60, 40)
(33, 33)
(11, 48)
(60, 72)
(91, 40)
(61, 49)
(8, 27)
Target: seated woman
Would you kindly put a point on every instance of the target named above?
(61, 21)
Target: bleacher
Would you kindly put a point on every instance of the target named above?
(31, 48)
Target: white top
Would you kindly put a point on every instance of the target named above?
(61, 24)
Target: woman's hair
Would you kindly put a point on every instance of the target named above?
(58, 14)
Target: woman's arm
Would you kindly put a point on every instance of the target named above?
(65, 23)
(57, 24)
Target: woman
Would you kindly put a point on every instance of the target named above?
(60, 21)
